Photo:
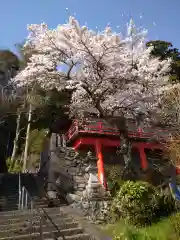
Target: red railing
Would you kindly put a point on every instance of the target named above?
(100, 128)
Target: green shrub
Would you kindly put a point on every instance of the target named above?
(175, 224)
(166, 203)
(114, 178)
(165, 229)
(141, 204)
(137, 202)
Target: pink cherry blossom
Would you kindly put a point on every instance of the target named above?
(110, 73)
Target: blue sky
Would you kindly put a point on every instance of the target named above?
(160, 17)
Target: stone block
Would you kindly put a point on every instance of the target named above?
(91, 169)
(86, 176)
(73, 198)
(79, 179)
(68, 162)
(85, 205)
(79, 193)
(52, 194)
(81, 185)
(93, 180)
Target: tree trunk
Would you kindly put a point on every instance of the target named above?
(125, 143)
(16, 138)
(27, 138)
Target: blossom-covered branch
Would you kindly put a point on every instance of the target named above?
(108, 73)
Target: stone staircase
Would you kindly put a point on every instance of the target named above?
(25, 225)
(41, 222)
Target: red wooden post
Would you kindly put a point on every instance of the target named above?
(100, 127)
(140, 131)
(100, 163)
(144, 162)
(177, 170)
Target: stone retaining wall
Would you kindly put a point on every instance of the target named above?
(87, 193)
(96, 210)
(69, 163)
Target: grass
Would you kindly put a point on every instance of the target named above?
(166, 229)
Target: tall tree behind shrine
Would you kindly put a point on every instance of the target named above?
(166, 50)
(9, 65)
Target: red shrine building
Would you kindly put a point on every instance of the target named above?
(97, 136)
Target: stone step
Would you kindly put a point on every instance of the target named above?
(9, 208)
(11, 196)
(36, 229)
(18, 223)
(80, 181)
(16, 199)
(56, 218)
(47, 236)
(38, 202)
(28, 213)
(15, 206)
(9, 200)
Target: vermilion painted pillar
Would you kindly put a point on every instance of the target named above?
(144, 162)
(178, 170)
(100, 163)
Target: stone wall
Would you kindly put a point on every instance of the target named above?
(96, 210)
(68, 167)
(75, 166)
(89, 195)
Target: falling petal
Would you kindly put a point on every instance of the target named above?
(154, 24)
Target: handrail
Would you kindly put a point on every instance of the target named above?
(54, 225)
(19, 177)
(25, 193)
(99, 128)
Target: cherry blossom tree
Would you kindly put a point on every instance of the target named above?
(113, 74)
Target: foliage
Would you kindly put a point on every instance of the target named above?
(175, 224)
(166, 203)
(170, 107)
(113, 174)
(141, 204)
(9, 64)
(173, 150)
(36, 140)
(166, 50)
(166, 229)
(14, 167)
(136, 202)
(23, 55)
(108, 73)
(46, 106)
(33, 161)
(171, 117)
(55, 108)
